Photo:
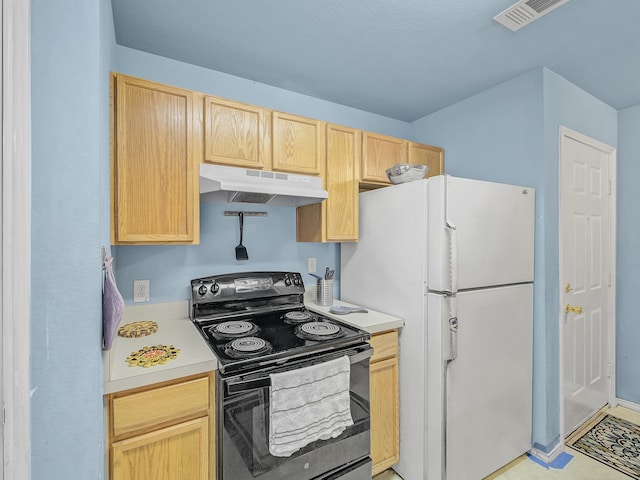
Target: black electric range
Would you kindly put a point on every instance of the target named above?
(256, 319)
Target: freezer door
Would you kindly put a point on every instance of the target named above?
(480, 233)
(489, 384)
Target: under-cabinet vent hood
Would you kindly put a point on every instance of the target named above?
(242, 185)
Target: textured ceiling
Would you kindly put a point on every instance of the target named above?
(402, 59)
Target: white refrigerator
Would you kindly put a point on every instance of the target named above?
(453, 257)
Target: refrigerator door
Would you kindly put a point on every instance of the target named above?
(480, 234)
(489, 384)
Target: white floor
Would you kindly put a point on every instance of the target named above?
(580, 467)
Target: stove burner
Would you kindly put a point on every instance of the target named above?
(247, 347)
(233, 329)
(294, 318)
(319, 331)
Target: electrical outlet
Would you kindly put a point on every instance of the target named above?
(140, 291)
(312, 265)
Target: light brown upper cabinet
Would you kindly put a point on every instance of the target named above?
(298, 144)
(380, 152)
(432, 157)
(236, 134)
(335, 219)
(156, 148)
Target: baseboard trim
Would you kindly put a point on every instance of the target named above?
(628, 404)
(547, 457)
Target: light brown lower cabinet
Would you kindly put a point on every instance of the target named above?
(163, 432)
(384, 401)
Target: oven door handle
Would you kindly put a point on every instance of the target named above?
(238, 386)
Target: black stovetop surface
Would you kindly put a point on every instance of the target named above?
(280, 335)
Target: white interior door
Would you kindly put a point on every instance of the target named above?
(16, 234)
(586, 275)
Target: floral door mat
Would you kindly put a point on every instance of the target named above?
(138, 329)
(614, 442)
(151, 356)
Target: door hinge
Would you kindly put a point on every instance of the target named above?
(609, 279)
(609, 186)
(609, 370)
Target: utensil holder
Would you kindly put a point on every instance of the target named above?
(324, 292)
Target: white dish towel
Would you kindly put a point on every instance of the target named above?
(309, 404)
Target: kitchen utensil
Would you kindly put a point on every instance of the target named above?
(344, 310)
(241, 250)
(406, 172)
(315, 275)
(324, 292)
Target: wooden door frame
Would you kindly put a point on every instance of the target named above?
(564, 133)
(16, 237)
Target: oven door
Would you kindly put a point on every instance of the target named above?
(243, 428)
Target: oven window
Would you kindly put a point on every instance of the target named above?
(245, 441)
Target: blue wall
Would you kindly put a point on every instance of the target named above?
(164, 70)
(509, 133)
(270, 240)
(497, 136)
(628, 265)
(564, 104)
(71, 45)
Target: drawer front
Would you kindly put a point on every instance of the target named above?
(148, 409)
(384, 345)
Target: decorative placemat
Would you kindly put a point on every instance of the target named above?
(138, 329)
(614, 442)
(150, 356)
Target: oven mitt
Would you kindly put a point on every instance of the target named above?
(112, 306)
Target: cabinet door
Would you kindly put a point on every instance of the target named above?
(385, 435)
(380, 152)
(433, 157)
(235, 134)
(179, 451)
(298, 144)
(155, 197)
(335, 219)
(385, 426)
(343, 152)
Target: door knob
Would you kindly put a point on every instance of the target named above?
(573, 308)
(567, 287)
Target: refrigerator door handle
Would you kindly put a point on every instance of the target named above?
(453, 338)
(452, 236)
(452, 330)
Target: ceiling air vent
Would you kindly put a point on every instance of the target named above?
(526, 11)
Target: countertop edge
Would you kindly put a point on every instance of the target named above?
(152, 378)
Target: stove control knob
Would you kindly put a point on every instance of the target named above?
(215, 288)
(296, 281)
(287, 280)
(202, 290)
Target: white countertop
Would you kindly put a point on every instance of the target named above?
(195, 356)
(174, 328)
(372, 321)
